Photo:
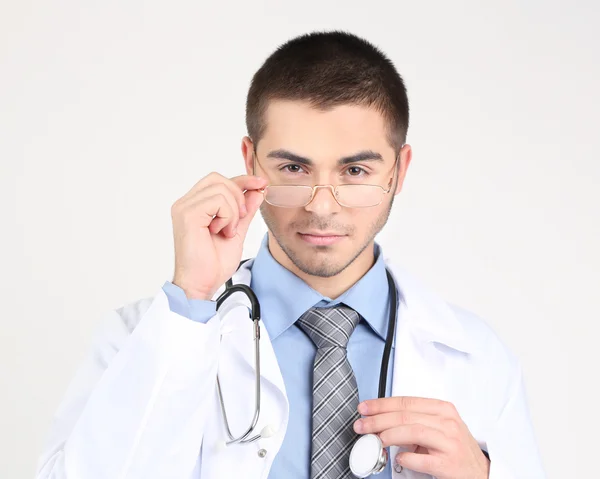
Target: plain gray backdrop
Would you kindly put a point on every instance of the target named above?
(110, 111)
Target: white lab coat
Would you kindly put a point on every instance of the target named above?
(144, 404)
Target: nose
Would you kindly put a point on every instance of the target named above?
(323, 201)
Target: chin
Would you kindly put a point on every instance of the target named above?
(322, 270)
(321, 261)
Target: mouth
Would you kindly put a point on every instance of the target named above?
(321, 239)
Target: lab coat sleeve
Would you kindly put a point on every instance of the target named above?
(512, 446)
(137, 406)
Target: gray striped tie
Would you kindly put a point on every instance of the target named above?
(335, 395)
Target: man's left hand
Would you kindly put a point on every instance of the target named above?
(442, 444)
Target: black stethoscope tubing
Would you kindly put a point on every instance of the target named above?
(231, 288)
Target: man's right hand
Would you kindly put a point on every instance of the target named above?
(209, 227)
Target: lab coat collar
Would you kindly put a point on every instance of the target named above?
(420, 309)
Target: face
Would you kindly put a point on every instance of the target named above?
(347, 145)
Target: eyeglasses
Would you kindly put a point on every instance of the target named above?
(349, 196)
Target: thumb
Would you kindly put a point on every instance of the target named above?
(253, 201)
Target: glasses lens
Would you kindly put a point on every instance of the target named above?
(359, 196)
(288, 196)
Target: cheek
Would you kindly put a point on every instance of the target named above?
(367, 222)
(362, 219)
(277, 218)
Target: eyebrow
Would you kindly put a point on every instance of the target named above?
(367, 155)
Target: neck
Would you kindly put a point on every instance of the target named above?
(332, 286)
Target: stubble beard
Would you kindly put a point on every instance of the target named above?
(326, 267)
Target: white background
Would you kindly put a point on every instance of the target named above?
(110, 111)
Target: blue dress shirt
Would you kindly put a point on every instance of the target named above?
(284, 297)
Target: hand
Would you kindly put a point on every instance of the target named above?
(441, 442)
(209, 227)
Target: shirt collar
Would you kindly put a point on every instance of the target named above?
(369, 296)
(284, 297)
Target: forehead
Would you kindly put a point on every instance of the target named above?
(316, 133)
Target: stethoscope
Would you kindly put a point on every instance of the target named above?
(368, 456)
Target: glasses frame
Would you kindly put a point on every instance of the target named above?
(333, 188)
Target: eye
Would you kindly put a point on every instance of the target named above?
(356, 171)
(292, 168)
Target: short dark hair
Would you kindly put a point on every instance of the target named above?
(328, 69)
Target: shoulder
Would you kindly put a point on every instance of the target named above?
(481, 334)
(493, 366)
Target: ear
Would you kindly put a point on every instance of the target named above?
(248, 154)
(403, 162)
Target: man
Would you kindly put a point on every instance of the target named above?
(327, 117)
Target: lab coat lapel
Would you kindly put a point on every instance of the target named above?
(420, 366)
(424, 322)
(426, 327)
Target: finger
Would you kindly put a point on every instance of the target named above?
(253, 201)
(222, 225)
(224, 218)
(210, 179)
(228, 227)
(237, 185)
(416, 434)
(406, 403)
(226, 224)
(247, 183)
(381, 422)
(206, 187)
(217, 212)
(424, 463)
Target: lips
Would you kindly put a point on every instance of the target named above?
(320, 238)
(321, 233)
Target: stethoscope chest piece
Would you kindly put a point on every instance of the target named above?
(367, 456)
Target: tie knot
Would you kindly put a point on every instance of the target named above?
(329, 326)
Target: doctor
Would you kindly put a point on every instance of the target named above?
(326, 110)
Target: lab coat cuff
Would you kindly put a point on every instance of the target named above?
(195, 309)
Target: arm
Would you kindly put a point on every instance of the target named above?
(136, 407)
